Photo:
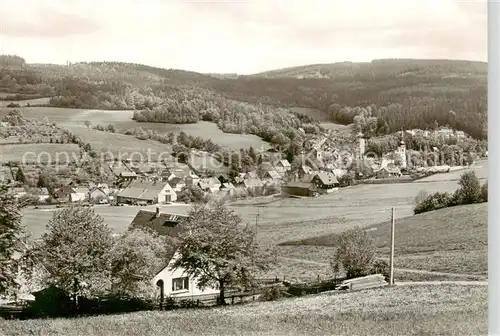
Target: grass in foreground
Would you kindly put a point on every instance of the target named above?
(420, 310)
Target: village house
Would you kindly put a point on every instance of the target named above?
(271, 175)
(250, 175)
(283, 165)
(177, 184)
(387, 172)
(42, 194)
(252, 183)
(299, 189)
(142, 192)
(99, 194)
(209, 184)
(79, 195)
(63, 194)
(19, 192)
(168, 282)
(323, 181)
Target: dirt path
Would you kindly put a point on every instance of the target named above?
(406, 270)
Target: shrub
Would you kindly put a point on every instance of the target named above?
(470, 188)
(484, 192)
(273, 292)
(381, 267)
(355, 253)
(432, 202)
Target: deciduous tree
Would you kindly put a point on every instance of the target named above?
(10, 233)
(355, 253)
(219, 250)
(75, 252)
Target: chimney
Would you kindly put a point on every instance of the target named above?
(157, 212)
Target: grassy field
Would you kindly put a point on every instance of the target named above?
(55, 153)
(122, 146)
(480, 167)
(407, 310)
(452, 240)
(74, 119)
(38, 101)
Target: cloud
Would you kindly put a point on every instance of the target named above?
(45, 20)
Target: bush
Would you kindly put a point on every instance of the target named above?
(470, 188)
(355, 253)
(381, 267)
(432, 202)
(273, 292)
(484, 192)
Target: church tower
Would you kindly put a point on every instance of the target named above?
(361, 146)
(402, 151)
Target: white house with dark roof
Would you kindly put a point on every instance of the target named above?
(169, 282)
(139, 192)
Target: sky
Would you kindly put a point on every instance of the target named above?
(242, 37)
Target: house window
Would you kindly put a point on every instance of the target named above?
(180, 284)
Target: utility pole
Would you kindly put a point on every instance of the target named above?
(391, 274)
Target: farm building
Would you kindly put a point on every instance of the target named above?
(298, 188)
(98, 194)
(252, 183)
(322, 180)
(169, 282)
(79, 195)
(139, 192)
(387, 172)
(272, 175)
(283, 165)
(63, 194)
(210, 184)
(42, 194)
(177, 183)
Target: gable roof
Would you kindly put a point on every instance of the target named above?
(165, 224)
(273, 174)
(327, 178)
(253, 182)
(210, 182)
(284, 163)
(143, 190)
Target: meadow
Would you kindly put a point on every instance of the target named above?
(281, 220)
(122, 120)
(39, 153)
(401, 310)
(38, 101)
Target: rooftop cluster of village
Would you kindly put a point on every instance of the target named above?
(325, 162)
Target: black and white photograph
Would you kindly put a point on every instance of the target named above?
(245, 167)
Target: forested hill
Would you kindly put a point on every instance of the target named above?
(402, 93)
(384, 68)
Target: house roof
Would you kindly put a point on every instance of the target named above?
(299, 184)
(392, 170)
(210, 182)
(266, 166)
(165, 224)
(252, 174)
(228, 186)
(142, 190)
(253, 182)
(128, 174)
(273, 174)
(285, 163)
(327, 178)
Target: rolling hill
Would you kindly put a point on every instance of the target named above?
(403, 93)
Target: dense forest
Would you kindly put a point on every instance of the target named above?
(400, 93)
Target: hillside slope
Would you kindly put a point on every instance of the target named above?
(407, 310)
(401, 93)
